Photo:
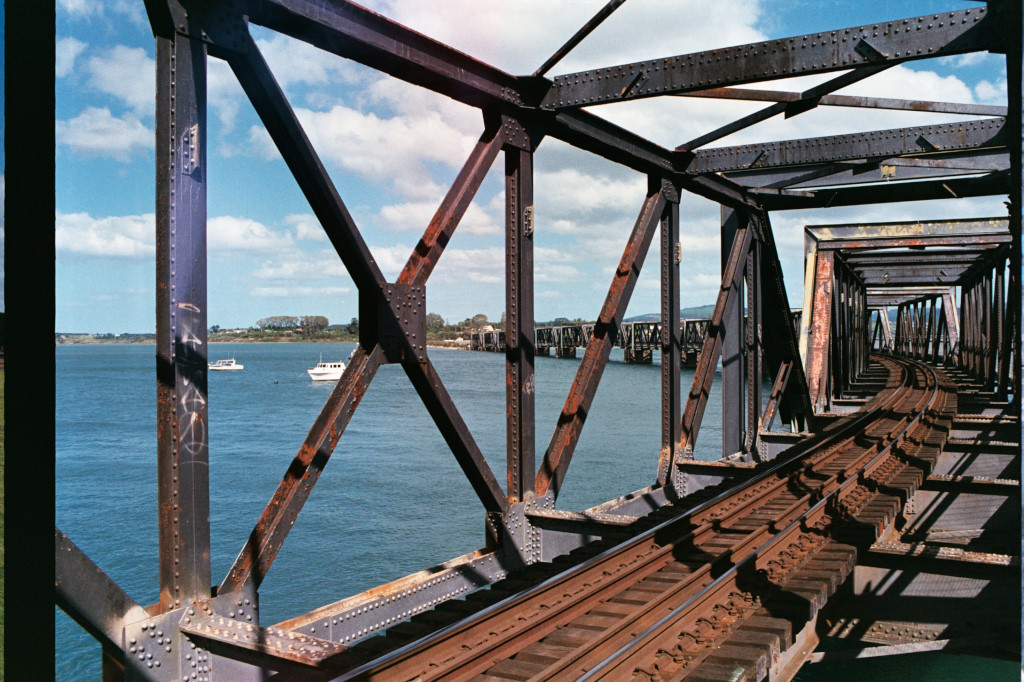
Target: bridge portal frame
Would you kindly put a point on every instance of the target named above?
(748, 181)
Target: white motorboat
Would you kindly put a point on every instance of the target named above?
(228, 365)
(326, 371)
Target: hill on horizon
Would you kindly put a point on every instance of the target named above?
(700, 312)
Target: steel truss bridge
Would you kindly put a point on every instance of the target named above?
(637, 339)
(717, 570)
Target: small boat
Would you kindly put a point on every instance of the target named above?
(228, 365)
(326, 371)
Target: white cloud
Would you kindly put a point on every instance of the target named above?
(301, 268)
(568, 193)
(295, 62)
(67, 51)
(95, 132)
(128, 74)
(470, 267)
(223, 92)
(114, 236)
(90, 9)
(306, 228)
(989, 93)
(298, 291)
(80, 8)
(378, 148)
(965, 60)
(518, 37)
(232, 234)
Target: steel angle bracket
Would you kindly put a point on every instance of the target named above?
(397, 321)
(166, 647)
(235, 647)
(521, 540)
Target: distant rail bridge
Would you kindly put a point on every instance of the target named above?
(638, 340)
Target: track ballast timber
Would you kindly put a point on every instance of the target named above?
(717, 590)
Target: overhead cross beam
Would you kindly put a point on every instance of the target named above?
(859, 102)
(932, 139)
(891, 42)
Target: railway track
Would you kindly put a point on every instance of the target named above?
(715, 592)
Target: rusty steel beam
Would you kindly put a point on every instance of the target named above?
(704, 376)
(749, 95)
(891, 42)
(733, 394)
(581, 395)
(973, 234)
(978, 134)
(870, 194)
(183, 467)
(519, 322)
(893, 170)
(670, 333)
(820, 325)
(778, 387)
(267, 537)
(752, 348)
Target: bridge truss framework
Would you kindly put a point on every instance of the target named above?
(751, 330)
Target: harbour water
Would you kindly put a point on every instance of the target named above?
(391, 501)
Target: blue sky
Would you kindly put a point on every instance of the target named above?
(393, 149)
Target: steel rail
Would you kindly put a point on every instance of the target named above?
(829, 441)
(611, 667)
(788, 519)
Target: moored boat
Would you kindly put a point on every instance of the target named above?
(226, 365)
(326, 371)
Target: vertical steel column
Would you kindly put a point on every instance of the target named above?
(820, 330)
(671, 346)
(865, 318)
(990, 332)
(519, 322)
(897, 345)
(838, 346)
(1014, 23)
(930, 340)
(964, 359)
(182, 435)
(753, 345)
(975, 329)
(732, 344)
(1002, 355)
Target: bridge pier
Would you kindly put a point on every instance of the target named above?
(563, 352)
(637, 356)
(543, 350)
(689, 359)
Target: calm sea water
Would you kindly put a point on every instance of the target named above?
(391, 501)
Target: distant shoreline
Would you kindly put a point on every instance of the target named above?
(143, 342)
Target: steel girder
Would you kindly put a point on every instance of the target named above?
(891, 42)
